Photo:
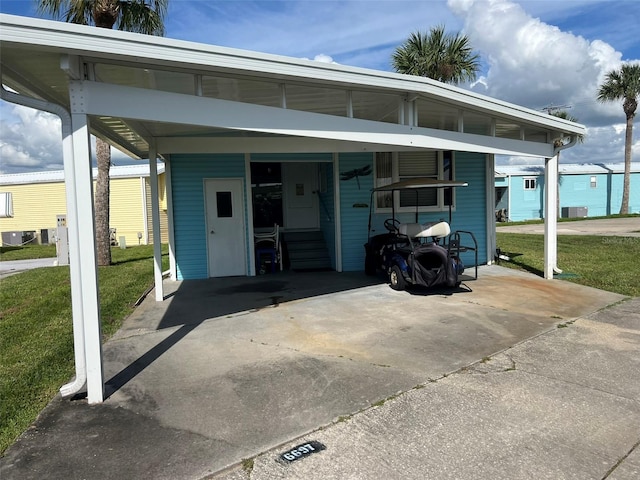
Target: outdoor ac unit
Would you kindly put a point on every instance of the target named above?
(17, 238)
(575, 212)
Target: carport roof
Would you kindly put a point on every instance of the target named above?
(270, 102)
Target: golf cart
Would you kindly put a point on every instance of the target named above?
(418, 254)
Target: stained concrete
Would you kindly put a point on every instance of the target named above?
(227, 369)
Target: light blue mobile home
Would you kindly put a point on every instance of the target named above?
(337, 209)
(585, 190)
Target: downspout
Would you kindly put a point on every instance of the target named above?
(556, 151)
(80, 379)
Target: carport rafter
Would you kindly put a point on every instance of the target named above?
(101, 99)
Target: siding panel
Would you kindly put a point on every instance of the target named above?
(188, 174)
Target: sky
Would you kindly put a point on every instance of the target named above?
(534, 53)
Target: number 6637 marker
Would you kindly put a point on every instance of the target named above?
(301, 451)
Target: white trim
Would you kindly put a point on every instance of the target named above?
(490, 207)
(145, 216)
(251, 271)
(337, 212)
(155, 223)
(173, 266)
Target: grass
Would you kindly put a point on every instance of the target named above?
(607, 263)
(27, 252)
(36, 335)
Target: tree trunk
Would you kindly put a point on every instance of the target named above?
(624, 206)
(103, 243)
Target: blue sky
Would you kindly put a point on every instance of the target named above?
(534, 53)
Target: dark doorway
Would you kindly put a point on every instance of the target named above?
(266, 193)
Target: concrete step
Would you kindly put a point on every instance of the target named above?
(307, 250)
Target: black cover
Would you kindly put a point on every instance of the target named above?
(430, 265)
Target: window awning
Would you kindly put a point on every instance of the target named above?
(424, 182)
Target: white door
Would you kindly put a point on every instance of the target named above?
(299, 184)
(226, 245)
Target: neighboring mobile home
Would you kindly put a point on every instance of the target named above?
(585, 190)
(38, 198)
(249, 139)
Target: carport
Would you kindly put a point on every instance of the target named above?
(154, 97)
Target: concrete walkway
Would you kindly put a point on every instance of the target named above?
(476, 383)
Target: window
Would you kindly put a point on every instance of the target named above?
(6, 205)
(393, 167)
(594, 181)
(529, 183)
(224, 205)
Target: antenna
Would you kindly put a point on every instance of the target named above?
(550, 109)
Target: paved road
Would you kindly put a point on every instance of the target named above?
(16, 266)
(620, 227)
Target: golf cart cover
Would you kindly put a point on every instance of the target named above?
(431, 265)
(424, 230)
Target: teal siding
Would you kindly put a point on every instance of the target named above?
(187, 175)
(469, 214)
(605, 198)
(291, 157)
(575, 190)
(353, 218)
(327, 212)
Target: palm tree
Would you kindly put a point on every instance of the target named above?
(624, 84)
(133, 16)
(560, 142)
(438, 55)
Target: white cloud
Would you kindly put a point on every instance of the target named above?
(535, 64)
(30, 139)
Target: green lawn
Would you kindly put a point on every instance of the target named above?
(607, 263)
(36, 336)
(27, 252)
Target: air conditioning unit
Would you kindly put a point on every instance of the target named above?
(18, 238)
(574, 212)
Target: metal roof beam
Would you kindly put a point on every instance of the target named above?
(153, 106)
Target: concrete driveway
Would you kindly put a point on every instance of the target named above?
(606, 227)
(228, 368)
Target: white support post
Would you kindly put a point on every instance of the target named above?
(550, 216)
(74, 265)
(173, 267)
(82, 176)
(155, 223)
(490, 208)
